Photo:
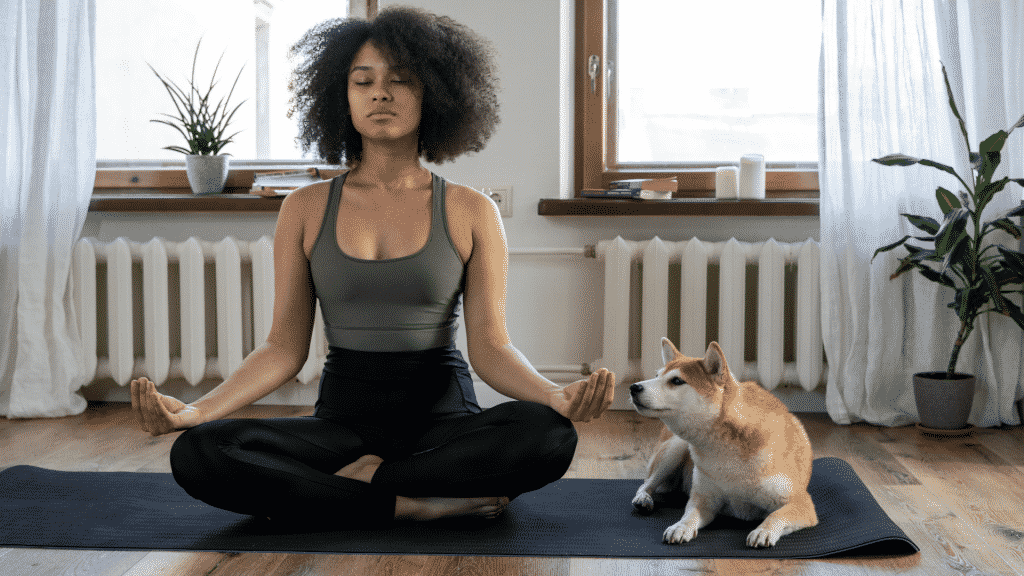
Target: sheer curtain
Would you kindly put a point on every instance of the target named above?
(882, 92)
(47, 166)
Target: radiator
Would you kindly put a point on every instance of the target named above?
(165, 276)
(624, 294)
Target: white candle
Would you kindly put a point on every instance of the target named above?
(726, 182)
(752, 177)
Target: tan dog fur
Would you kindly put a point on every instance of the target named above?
(734, 447)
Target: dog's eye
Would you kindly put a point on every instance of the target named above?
(677, 381)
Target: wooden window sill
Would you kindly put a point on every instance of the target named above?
(155, 200)
(776, 204)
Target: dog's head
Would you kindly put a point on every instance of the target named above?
(688, 388)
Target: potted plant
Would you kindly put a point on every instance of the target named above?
(202, 128)
(981, 274)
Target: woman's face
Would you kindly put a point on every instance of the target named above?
(384, 101)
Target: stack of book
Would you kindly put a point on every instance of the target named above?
(661, 189)
(279, 183)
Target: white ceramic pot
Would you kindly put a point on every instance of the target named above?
(207, 174)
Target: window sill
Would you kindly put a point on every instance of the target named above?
(773, 205)
(167, 190)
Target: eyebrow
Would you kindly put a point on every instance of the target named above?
(371, 68)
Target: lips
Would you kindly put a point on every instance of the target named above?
(381, 113)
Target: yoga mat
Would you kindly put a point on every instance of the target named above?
(42, 508)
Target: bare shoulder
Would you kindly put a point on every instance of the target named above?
(302, 212)
(465, 203)
(307, 199)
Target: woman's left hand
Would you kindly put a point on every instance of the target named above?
(585, 400)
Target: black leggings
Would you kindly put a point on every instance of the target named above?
(284, 467)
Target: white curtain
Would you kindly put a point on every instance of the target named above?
(47, 166)
(882, 92)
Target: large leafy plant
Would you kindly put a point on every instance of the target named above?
(981, 275)
(202, 127)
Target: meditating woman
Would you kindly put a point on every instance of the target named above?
(388, 248)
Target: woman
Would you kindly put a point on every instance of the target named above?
(388, 248)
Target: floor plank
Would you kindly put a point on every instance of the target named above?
(958, 499)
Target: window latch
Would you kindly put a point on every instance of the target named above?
(594, 64)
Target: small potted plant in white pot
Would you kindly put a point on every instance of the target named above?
(980, 273)
(203, 129)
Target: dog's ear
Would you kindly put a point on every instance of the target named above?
(714, 361)
(668, 351)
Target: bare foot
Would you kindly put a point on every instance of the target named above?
(364, 468)
(434, 508)
(361, 469)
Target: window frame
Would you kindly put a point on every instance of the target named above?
(595, 122)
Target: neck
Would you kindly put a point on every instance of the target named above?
(388, 165)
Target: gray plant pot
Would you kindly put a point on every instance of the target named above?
(207, 174)
(941, 403)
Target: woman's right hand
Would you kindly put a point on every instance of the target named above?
(159, 414)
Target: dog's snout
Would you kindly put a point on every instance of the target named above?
(636, 389)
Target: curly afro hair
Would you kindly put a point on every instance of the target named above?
(454, 65)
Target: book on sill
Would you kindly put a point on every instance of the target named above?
(634, 194)
(280, 183)
(659, 185)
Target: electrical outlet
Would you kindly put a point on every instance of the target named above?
(502, 196)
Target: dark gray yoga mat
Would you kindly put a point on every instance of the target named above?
(42, 508)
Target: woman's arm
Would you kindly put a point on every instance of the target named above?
(268, 367)
(491, 353)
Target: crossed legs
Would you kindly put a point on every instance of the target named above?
(287, 467)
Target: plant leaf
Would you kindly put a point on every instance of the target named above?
(943, 167)
(989, 191)
(934, 276)
(890, 246)
(1018, 211)
(952, 105)
(1008, 226)
(896, 160)
(906, 265)
(1014, 312)
(1012, 260)
(993, 289)
(923, 223)
(951, 232)
(975, 159)
(957, 253)
(947, 200)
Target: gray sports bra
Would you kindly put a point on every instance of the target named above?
(395, 305)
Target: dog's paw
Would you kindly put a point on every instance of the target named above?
(762, 537)
(643, 502)
(679, 533)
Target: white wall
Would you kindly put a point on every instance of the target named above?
(554, 303)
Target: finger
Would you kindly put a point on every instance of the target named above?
(586, 396)
(611, 390)
(155, 410)
(136, 411)
(146, 406)
(598, 384)
(607, 392)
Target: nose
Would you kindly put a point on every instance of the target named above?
(636, 389)
(381, 95)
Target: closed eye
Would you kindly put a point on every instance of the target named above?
(677, 381)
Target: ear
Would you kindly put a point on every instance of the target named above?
(714, 361)
(668, 351)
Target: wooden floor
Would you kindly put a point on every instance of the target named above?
(960, 500)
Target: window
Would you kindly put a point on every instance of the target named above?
(670, 87)
(255, 34)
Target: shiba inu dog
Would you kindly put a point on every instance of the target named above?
(733, 447)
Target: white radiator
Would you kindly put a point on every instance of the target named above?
(732, 257)
(240, 311)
